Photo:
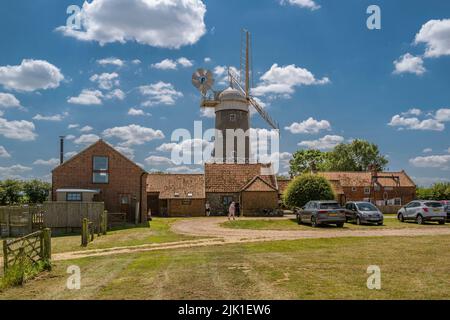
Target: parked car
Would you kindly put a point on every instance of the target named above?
(319, 213)
(422, 211)
(363, 212)
(446, 204)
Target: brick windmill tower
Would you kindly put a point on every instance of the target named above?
(232, 109)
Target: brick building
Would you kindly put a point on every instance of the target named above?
(112, 177)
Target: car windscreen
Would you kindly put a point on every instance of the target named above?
(366, 207)
(433, 204)
(330, 205)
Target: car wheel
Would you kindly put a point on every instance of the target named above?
(401, 218)
(419, 219)
(299, 219)
(380, 223)
(339, 225)
(358, 221)
(314, 223)
(442, 222)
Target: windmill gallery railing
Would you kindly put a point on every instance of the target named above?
(33, 249)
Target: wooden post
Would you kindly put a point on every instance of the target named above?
(104, 222)
(22, 264)
(84, 232)
(8, 223)
(47, 242)
(5, 256)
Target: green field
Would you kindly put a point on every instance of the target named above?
(291, 224)
(412, 268)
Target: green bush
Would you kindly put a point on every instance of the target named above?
(305, 188)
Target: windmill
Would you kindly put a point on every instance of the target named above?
(231, 106)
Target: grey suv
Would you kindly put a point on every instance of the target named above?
(422, 211)
(363, 212)
(319, 213)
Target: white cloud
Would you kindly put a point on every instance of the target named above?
(207, 60)
(87, 97)
(166, 24)
(184, 170)
(282, 81)
(70, 137)
(51, 162)
(115, 94)
(221, 73)
(87, 139)
(136, 61)
(325, 143)
(111, 61)
(437, 161)
(158, 161)
(31, 75)
(86, 129)
(8, 100)
(106, 81)
(13, 172)
(133, 134)
(309, 4)
(126, 151)
(19, 129)
(427, 150)
(207, 112)
(443, 115)
(4, 153)
(166, 64)
(188, 148)
(409, 64)
(414, 123)
(435, 34)
(309, 126)
(137, 112)
(70, 154)
(56, 117)
(185, 62)
(412, 112)
(159, 93)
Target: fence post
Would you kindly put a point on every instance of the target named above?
(47, 241)
(8, 223)
(105, 222)
(84, 232)
(5, 255)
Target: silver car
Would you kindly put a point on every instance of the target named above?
(422, 211)
(363, 212)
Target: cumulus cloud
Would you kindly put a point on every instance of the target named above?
(126, 151)
(189, 148)
(50, 162)
(73, 126)
(55, 118)
(436, 161)
(184, 170)
(86, 129)
(443, 115)
(309, 126)
(159, 93)
(4, 153)
(427, 150)
(13, 172)
(8, 100)
(185, 62)
(414, 123)
(325, 143)
(31, 75)
(18, 129)
(111, 61)
(87, 97)
(137, 112)
(166, 24)
(282, 81)
(309, 4)
(158, 161)
(133, 134)
(115, 94)
(87, 139)
(106, 81)
(409, 64)
(435, 34)
(169, 64)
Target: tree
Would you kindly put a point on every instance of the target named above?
(304, 161)
(11, 193)
(305, 188)
(438, 191)
(36, 191)
(358, 155)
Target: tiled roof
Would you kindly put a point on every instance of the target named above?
(231, 178)
(258, 184)
(337, 187)
(174, 186)
(282, 184)
(363, 179)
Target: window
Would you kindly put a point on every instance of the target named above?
(124, 200)
(377, 187)
(227, 200)
(100, 170)
(232, 117)
(367, 190)
(354, 189)
(74, 196)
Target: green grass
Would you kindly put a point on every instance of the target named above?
(411, 268)
(291, 224)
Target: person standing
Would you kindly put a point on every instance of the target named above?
(207, 209)
(232, 211)
(237, 207)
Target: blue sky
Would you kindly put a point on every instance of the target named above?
(312, 59)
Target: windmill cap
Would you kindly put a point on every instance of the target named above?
(231, 94)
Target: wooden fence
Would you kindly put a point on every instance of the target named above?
(18, 221)
(89, 230)
(33, 248)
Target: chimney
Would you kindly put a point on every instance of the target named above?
(61, 149)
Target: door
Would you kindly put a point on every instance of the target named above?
(411, 209)
(153, 204)
(125, 206)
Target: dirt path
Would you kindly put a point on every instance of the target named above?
(218, 235)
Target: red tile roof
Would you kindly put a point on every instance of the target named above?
(177, 186)
(363, 179)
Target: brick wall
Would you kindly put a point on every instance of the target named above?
(406, 193)
(181, 208)
(259, 203)
(125, 178)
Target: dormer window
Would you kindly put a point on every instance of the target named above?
(177, 195)
(190, 195)
(100, 170)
